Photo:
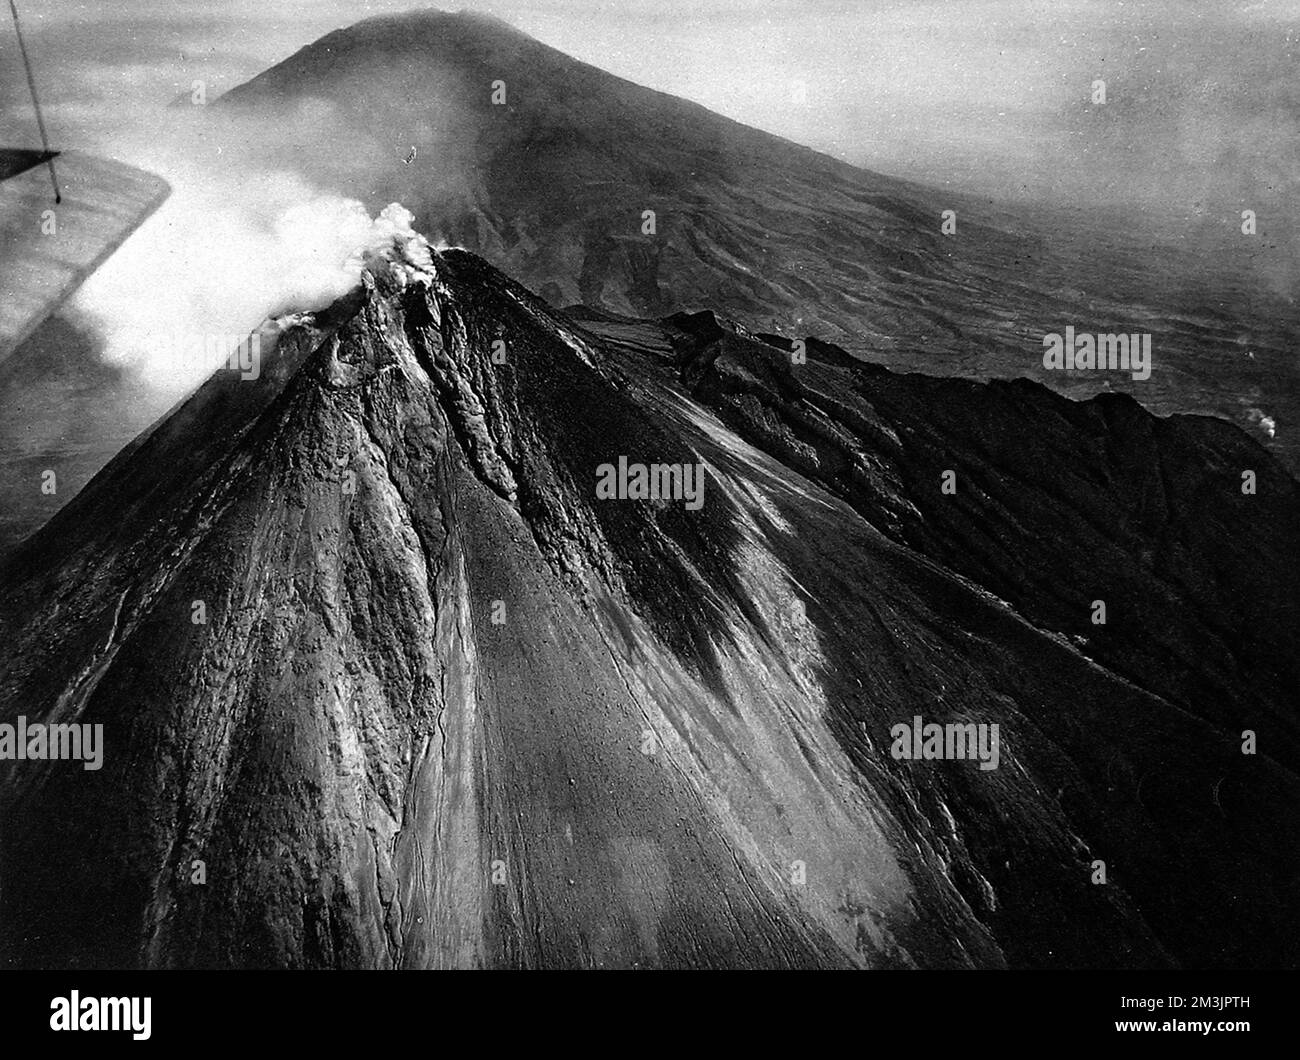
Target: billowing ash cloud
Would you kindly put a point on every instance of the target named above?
(219, 258)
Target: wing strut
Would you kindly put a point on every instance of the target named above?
(36, 103)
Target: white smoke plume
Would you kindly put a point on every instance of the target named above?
(221, 256)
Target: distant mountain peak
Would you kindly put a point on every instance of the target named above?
(592, 190)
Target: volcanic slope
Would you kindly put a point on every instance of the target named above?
(377, 668)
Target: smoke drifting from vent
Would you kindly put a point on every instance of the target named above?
(223, 255)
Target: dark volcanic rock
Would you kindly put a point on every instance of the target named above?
(445, 707)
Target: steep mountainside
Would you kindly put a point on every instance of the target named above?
(366, 643)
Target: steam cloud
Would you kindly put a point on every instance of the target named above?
(222, 255)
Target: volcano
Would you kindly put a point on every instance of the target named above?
(385, 681)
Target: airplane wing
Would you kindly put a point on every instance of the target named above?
(47, 250)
